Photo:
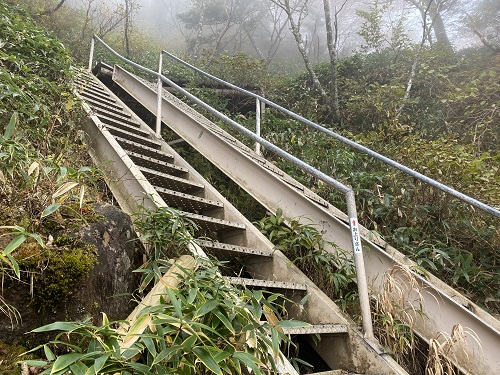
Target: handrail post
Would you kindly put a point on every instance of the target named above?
(359, 264)
(257, 125)
(91, 56)
(159, 97)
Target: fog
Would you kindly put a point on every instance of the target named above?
(262, 28)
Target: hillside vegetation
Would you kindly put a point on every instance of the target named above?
(46, 176)
(449, 129)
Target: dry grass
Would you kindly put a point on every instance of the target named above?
(397, 307)
(445, 349)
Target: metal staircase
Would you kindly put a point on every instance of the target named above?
(144, 170)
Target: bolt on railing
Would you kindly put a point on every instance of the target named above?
(357, 250)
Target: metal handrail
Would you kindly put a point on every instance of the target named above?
(472, 201)
(364, 299)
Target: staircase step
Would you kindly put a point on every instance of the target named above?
(89, 85)
(317, 329)
(186, 202)
(105, 104)
(240, 250)
(157, 165)
(96, 92)
(127, 118)
(170, 182)
(213, 224)
(132, 146)
(267, 284)
(117, 132)
(89, 95)
(128, 125)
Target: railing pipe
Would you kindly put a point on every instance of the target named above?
(472, 201)
(257, 124)
(359, 264)
(159, 95)
(360, 276)
(91, 56)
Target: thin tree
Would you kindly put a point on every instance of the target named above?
(299, 10)
(332, 39)
(53, 10)
(131, 7)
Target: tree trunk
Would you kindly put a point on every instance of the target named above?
(302, 49)
(127, 27)
(199, 34)
(332, 50)
(439, 28)
(45, 12)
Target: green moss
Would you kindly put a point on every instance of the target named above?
(9, 356)
(64, 264)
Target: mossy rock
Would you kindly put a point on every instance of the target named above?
(82, 274)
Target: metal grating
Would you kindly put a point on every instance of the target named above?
(155, 164)
(232, 248)
(317, 329)
(167, 181)
(186, 202)
(266, 283)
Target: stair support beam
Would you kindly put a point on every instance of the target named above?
(443, 308)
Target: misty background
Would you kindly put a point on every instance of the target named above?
(263, 29)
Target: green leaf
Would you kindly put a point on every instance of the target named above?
(50, 209)
(35, 363)
(100, 362)
(16, 227)
(249, 360)
(63, 362)
(10, 127)
(189, 342)
(207, 307)
(175, 302)
(14, 244)
(149, 345)
(204, 356)
(14, 265)
(48, 353)
(79, 368)
(37, 239)
(275, 341)
(57, 326)
(219, 314)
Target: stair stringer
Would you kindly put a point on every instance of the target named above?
(128, 184)
(443, 306)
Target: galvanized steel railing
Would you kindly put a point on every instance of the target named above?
(259, 99)
(346, 190)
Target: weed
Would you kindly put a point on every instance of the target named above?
(325, 263)
(396, 309)
(445, 349)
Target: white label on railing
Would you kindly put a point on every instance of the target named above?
(356, 240)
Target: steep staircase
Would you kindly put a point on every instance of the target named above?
(143, 169)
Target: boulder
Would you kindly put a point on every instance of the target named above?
(107, 289)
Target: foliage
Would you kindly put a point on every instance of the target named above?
(454, 142)
(205, 325)
(324, 263)
(167, 234)
(44, 183)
